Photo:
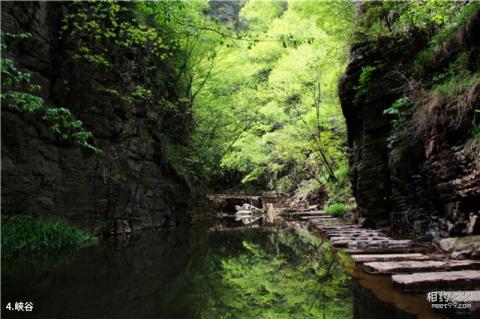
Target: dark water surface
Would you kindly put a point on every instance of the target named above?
(193, 273)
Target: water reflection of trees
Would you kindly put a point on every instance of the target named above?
(281, 274)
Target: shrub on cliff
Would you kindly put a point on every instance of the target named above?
(27, 235)
(336, 209)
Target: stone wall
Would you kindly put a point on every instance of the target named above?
(42, 175)
(427, 185)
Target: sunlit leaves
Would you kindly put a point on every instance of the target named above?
(280, 83)
(383, 18)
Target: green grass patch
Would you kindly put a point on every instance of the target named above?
(454, 84)
(27, 235)
(336, 209)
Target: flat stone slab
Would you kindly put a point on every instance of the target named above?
(386, 243)
(441, 279)
(359, 238)
(384, 250)
(354, 231)
(354, 235)
(388, 257)
(335, 227)
(320, 218)
(412, 266)
(310, 217)
(305, 213)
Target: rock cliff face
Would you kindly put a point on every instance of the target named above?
(132, 182)
(227, 11)
(427, 184)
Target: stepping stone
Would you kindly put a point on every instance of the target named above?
(305, 213)
(337, 227)
(411, 266)
(386, 243)
(326, 228)
(389, 257)
(354, 235)
(381, 243)
(356, 231)
(441, 279)
(342, 222)
(320, 219)
(327, 222)
(310, 217)
(385, 250)
(358, 238)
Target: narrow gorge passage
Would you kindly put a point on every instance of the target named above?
(240, 158)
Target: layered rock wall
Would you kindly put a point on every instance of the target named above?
(41, 175)
(427, 184)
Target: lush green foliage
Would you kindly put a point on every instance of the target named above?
(453, 23)
(363, 85)
(445, 81)
(456, 78)
(267, 109)
(142, 46)
(336, 209)
(400, 112)
(19, 93)
(26, 235)
(394, 18)
(257, 100)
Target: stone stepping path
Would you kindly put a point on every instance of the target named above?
(437, 280)
(409, 266)
(346, 235)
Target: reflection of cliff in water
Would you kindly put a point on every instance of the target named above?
(367, 306)
(187, 274)
(110, 281)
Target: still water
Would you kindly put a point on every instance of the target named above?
(256, 273)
